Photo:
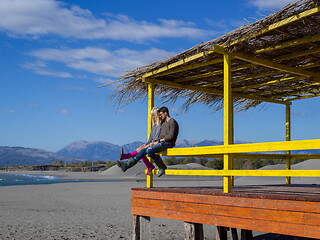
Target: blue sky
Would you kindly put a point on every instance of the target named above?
(54, 54)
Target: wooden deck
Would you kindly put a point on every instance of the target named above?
(282, 209)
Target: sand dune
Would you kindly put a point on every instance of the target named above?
(308, 164)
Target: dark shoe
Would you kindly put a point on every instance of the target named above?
(161, 165)
(124, 165)
(121, 153)
(161, 171)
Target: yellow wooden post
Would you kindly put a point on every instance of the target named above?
(288, 138)
(149, 178)
(228, 121)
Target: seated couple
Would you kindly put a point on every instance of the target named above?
(163, 135)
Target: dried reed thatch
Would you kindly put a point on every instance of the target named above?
(295, 45)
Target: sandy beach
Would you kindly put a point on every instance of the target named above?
(78, 210)
(93, 210)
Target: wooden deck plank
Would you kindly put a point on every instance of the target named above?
(307, 206)
(238, 212)
(240, 223)
(276, 209)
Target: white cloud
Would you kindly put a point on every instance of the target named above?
(96, 60)
(74, 88)
(226, 25)
(33, 105)
(300, 114)
(7, 110)
(48, 17)
(270, 4)
(64, 112)
(41, 68)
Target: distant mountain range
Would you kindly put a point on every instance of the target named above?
(86, 151)
(104, 151)
(14, 156)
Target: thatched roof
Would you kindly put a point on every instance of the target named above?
(275, 59)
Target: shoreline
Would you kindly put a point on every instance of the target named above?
(99, 176)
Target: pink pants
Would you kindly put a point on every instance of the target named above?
(144, 159)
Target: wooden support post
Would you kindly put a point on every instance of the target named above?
(141, 228)
(288, 138)
(135, 227)
(228, 121)
(193, 231)
(246, 234)
(145, 228)
(149, 177)
(222, 233)
(234, 234)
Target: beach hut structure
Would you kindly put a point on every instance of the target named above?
(274, 60)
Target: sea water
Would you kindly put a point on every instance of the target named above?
(28, 179)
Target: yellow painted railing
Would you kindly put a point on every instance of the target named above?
(261, 173)
(243, 151)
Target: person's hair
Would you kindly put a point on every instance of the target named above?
(157, 120)
(164, 109)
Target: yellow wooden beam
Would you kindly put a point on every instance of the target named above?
(175, 69)
(269, 83)
(296, 91)
(244, 66)
(228, 120)
(297, 54)
(211, 91)
(214, 73)
(268, 63)
(267, 74)
(189, 67)
(252, 156)
(246, 148)
(288, 138)
(149, 177)
(290, 43)
(290, 79)
(265, 173)
(177, 64)
(277, 95)
(311, 95)
(273, 65)
(293, 18)
(280, 67)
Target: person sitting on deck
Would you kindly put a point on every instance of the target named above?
(167, 139)
(154, 135)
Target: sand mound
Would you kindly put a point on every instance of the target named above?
(135, 171)
(307, 164)
(188, 166)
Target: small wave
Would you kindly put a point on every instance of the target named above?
(26, 175)
(47, 177)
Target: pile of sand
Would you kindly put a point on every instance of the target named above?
(311, 164)
(137, 172)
